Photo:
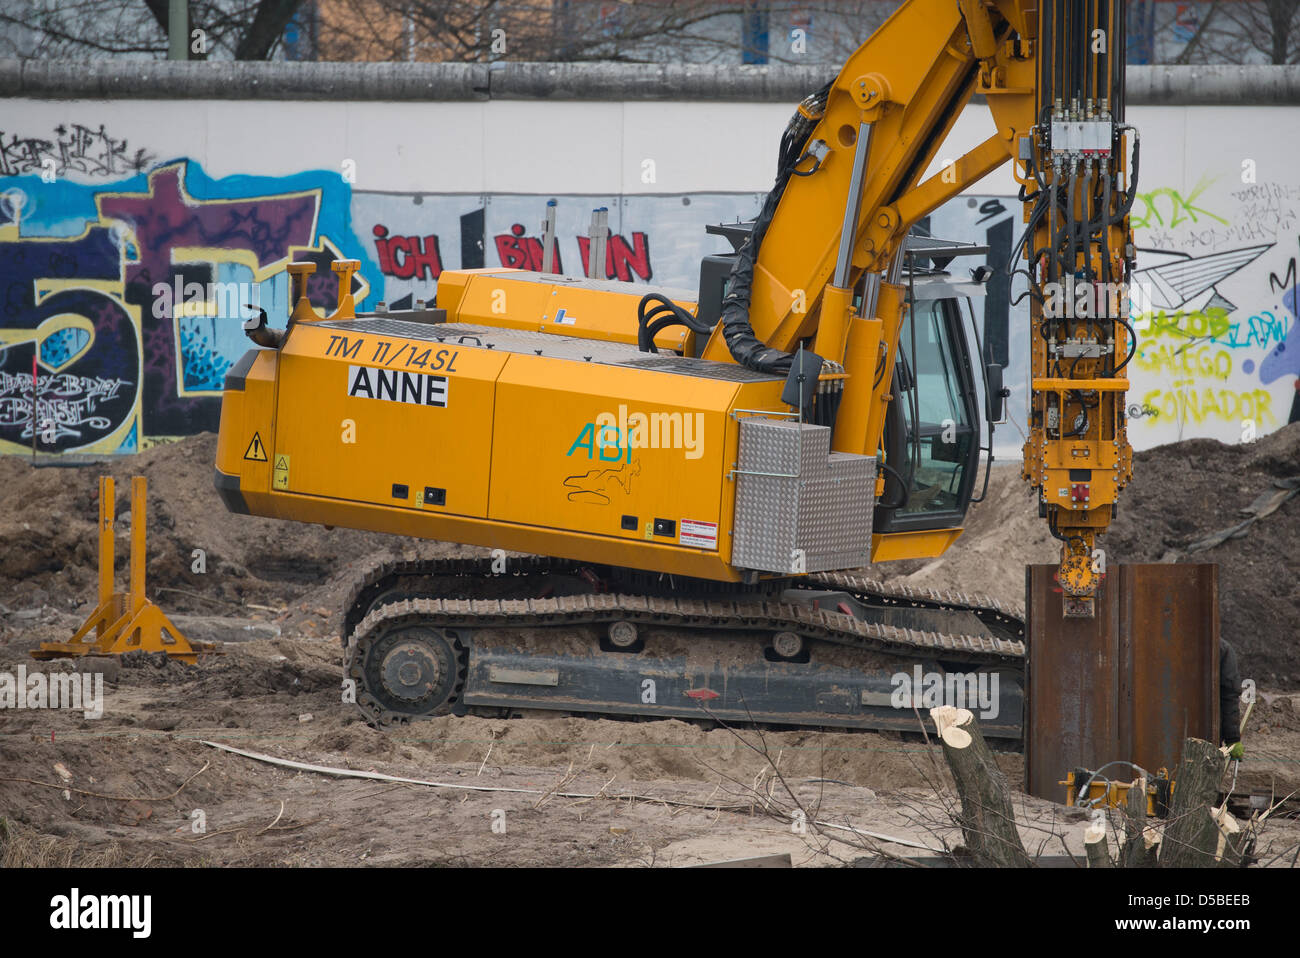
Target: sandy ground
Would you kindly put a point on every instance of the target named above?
(133, 786)
(139, 786)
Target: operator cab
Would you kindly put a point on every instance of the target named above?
(930, 450)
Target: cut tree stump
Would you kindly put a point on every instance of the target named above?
(987, 819)
(1096, 846)
(1199, 835)
(1141, 838)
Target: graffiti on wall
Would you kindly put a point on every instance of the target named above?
(1214, 308)
(626, 259)
(111, 332)
(124, 289)
(71, 343)
(71, 149)
(652, 239)
(120, 302)
(1214, 298)
(1257, 213)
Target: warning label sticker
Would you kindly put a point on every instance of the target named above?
(255, 452)
(280, 473)
(699, 534)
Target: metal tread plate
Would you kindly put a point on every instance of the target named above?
(622, 287)
(553, 345)
(703, 368)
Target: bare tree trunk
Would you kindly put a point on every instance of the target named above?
(1095, 845)
(268, 24)
(1281, 21)
(1141, 840)
(988, 822)
(1195, 41)
(1198, 835)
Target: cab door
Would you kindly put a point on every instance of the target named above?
(931, 440)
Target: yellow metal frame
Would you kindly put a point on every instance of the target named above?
(520, 299)
(124, 621)
(1111, 794)
(921, 544)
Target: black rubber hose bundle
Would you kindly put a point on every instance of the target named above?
(746, 348)
(665, 313)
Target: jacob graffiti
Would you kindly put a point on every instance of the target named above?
(1215, 311)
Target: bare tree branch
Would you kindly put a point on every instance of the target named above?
(266, 29)
(49, 29)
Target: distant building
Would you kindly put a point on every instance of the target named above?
(730, 31)
(691, 31)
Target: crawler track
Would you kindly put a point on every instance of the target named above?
(438, 604)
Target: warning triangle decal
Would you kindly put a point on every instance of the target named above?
(256, 451)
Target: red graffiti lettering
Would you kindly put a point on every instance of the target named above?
(630, 259)
(518, 251)
(419, 260)
(381, 246)
(621, 258)
(510, 253)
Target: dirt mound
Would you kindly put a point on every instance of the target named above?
(48, 542)
(1183, 492)
(1180, 494)
(1002, 534)
(680, 750)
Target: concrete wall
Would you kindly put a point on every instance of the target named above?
(106, 201)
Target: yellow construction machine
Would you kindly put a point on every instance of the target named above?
(680, 489)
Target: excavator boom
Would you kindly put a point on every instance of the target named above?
(826, 255)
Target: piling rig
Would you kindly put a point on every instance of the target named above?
(834, 404)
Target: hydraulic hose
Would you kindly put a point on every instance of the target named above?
(746, 348)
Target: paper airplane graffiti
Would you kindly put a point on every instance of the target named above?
(1173, 284)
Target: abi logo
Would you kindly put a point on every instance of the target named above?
(604, 442)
